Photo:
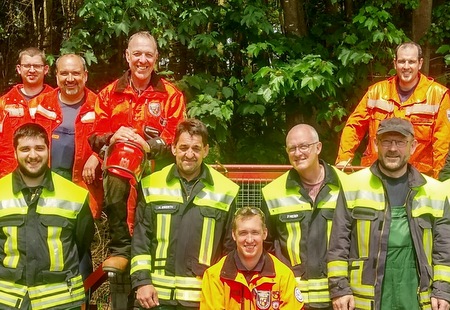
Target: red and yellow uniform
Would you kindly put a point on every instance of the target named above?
(428, 109)
(225, 287)
(14, 112)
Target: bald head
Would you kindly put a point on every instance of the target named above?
(303, 128)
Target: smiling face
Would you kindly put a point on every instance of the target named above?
(71, 77)
(189, 152)
(394, 151)
(32, 70)
(141, 54)
(407, 64)
(303, 147)
(249, 233)
(32, 156)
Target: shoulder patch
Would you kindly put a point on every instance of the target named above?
(298, 294)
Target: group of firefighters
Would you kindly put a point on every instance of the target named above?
(322, 239)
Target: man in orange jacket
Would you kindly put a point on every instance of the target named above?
(411, 95)
(249, 277)
(14, 110)
(140, 110)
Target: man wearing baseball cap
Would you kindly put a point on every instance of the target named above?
(389, 245)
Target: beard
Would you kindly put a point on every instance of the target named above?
(30, 174)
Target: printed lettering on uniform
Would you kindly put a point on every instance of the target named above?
(14, 110)
(154, 108)
(298, 294)
(275, 300)
(165, 207)
(263, 299)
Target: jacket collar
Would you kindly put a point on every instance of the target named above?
(229, 270)
(124, 82)
(331, 177)
(205, 175)
(415, 178)
(18, 184)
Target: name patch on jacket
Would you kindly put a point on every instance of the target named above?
(165, 208)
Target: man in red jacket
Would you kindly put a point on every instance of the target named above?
(70, 118)
(136, 114)
(14, 110)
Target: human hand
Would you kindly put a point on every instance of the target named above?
(129, 134)
(344, 163)
(346, 302)
(147, 296)
(89, 168)
(439, 304)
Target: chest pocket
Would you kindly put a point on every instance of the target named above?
(210, 218)
(364, 218)
(163, 222)
(292, 223)
(57, 228)
(10, 230)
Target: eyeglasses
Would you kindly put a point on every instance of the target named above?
(399, 143)
(245, 211)
(304, 148)
(29, 66)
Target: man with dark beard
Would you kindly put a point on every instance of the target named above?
(389, 245)
(47, 226)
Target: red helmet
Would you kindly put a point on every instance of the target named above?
(126, 159)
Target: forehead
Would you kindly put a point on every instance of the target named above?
(142, 44)
(410, 52)
(26, 59)
(249, 222)
(70, 63)
(299, 136)
(187, 139)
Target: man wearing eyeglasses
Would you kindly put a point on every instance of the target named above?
(389, 245)
(299, 207)
(409, 95)
(14, 110)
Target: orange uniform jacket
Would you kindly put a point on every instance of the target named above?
(48, 113)
(14, 112)
(160, 106)
(224, 287)
(428, 109)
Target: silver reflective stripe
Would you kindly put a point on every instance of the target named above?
(380, 104)
(420, 108)
(219, 197)
(288, 201)
(50, 114)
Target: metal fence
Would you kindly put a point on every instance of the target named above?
(251, 179)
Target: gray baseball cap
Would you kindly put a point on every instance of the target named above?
(396, 124)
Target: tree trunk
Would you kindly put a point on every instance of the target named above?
(421, 23)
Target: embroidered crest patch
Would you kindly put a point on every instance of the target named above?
(154, 108)
(263, 299)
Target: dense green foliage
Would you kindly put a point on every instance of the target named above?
(247, 77)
